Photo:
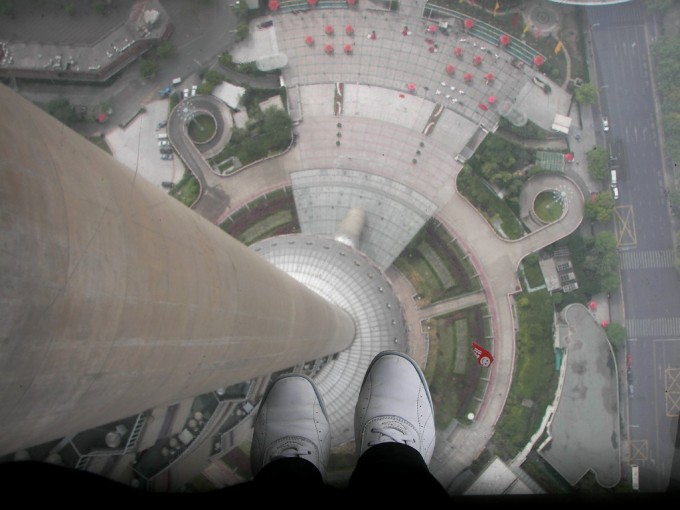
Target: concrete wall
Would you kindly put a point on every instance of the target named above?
(115, 297)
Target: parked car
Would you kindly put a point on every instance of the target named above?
(605, 124)
(166, 156)
(166, 150)
(162, 124)
(193, 90)
(165, 92)
(163, 143)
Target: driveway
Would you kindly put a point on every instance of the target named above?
(136, 146)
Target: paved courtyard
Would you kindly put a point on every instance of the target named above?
(408, 146)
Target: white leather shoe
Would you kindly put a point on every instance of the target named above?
(395, 406)
(291, 422)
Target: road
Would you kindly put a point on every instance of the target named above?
(642, 222)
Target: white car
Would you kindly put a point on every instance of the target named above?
(185, 94)
(605, 124)
(163, 143)
(193, 90)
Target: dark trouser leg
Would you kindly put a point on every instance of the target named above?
(396, 471)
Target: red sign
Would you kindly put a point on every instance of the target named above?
(483, 356)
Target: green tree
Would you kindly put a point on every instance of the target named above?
(616, 333)
(276, 128)
(602, 261)
(204, 88)
(674, 198)
(148, 67)
(165, 49)
(7, 7)
(659, 6)
(62, 110)
(601, 208)
(242, 31)
(586, 94)
(226, 60)
(213, 77)
(671, 126)
(597, 163)
(241, 9)
(69, 8)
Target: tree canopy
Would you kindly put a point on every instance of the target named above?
(601, 207)
(62, 110)
(597, 163)
(666, 72)
(602, 261)
(586, 94)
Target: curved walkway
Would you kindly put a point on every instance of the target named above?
(386, 146)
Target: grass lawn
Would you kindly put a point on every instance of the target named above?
(202, 128)
(547, 208)
(187, 190)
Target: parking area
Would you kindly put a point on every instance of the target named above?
(137, 146)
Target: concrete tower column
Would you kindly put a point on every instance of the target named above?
(115, 297)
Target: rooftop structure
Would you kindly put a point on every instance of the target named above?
(88, 61)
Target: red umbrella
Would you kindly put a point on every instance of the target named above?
(311, 2)
(505, 39)
(467, 76)
(450, 68)
(489, 76)
(483, 106)
(592, 305)
(569, 157)
(605, 324)
(469, 23)
(349, 30)
(492, 99)
(273, 5)
(351, 2)
(539, 60)
(411, 86)
(348, 48)
(458, 51)
(309, 40)
(477, 60)
(329, 29)
(102, 117)
(432, 29)
(328, 49)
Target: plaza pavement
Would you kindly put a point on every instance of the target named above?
(383, 127)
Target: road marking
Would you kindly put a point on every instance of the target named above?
(652, 259)
(639, 450)
(672, 391)
(662, 327)
(624, 226)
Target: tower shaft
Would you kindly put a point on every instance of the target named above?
(116, 298)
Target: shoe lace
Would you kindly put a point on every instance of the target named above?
(391, 433)
(292, 448)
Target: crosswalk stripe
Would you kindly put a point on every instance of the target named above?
(653, 259)
(661, 327)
